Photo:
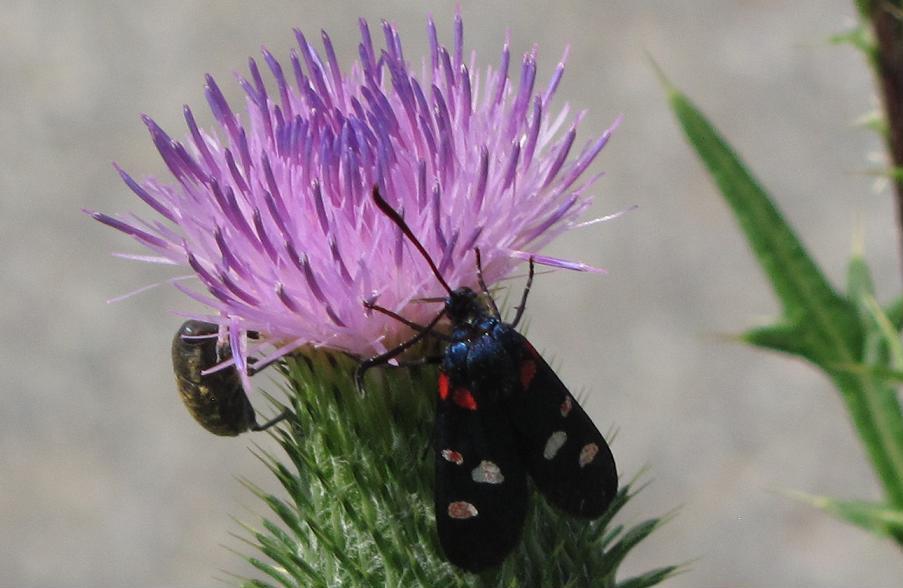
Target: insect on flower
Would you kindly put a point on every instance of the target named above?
(502, 413)
(216, 400)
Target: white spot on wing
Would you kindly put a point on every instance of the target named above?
(462, 510)
(487, 473)
(555, 442)
(588, 454)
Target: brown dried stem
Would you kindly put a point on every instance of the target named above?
(887, 59)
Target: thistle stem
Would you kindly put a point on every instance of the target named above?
(877, 419)
(357, 506)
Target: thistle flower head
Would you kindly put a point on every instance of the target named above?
(271, 210)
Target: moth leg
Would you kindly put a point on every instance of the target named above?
(523, 300)
(410, 324)
(398, 350)
(428, 360)
(495, 309)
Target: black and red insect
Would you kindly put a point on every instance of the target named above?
(501, 414)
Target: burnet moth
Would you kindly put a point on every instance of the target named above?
(217, 400)
(501, 414)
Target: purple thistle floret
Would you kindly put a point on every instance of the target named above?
(273, 215)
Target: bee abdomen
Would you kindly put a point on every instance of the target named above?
(217, 401)
(224, 412)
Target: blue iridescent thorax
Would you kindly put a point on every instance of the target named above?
(485, 353)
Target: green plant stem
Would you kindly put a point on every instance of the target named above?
(875, 412)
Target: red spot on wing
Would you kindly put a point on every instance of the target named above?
(464, 399)
(443, 386)
(566, 405)
(452, 456)
(527, 372)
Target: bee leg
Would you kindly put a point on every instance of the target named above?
(284, 415)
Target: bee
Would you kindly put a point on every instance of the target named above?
(217, 401)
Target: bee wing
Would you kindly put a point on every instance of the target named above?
(481, 491)
(563, 451)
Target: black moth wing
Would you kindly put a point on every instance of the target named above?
(564, 452)
(481, 486)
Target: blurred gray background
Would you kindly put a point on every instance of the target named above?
(106, 482)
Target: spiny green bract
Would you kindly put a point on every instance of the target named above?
(359, 510)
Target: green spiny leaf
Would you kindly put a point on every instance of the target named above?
(859, 276)
(881, 373)
(650, 578)
(270, 571)
(873, 517)
(825, 327)
(256, 584)
(859, 37)
(888, 332)
(783, 337)
(894, 312)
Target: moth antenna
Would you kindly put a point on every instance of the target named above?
(396, 218)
